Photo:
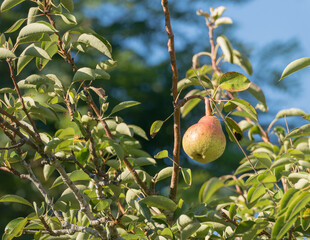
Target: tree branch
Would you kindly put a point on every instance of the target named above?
(9, 61)
(177, 122)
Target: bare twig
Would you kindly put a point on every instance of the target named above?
(177, 122)
(20, 143)
(19, 124)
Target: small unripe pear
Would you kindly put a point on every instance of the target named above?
(205, 140)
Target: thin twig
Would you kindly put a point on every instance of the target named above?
(177, 122)
(20, 143)
(9, 61)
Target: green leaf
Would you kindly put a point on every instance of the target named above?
(84, 74)
(295, 66)
(68, 18)
(255, 193)
(77, 175)
(257, 92)
(299, 132)
(281, 162)
(244, 226)
(223, 20)
(32, 13)
(292, 112)
(232, 210)
(164, 173)
(209, 188)
(156, 126)
(159, 202)
(281, 227)
(242, 61)
(247, 107)
(226, 48)
(194, 81)
(234, 81)
(124, 105)
(187, 175)
(33, 31)
(16, 25)
(14, 228)
(229, 122)
(263, 158)
(138, 131)
(190, 229)
(22, 62)
(35, 51)
(123, 129)
(67, 4)
(189, 105)
(296, 205)
(162, 154)
(97, 42)
(144, 161)
(16, 199)
(8, 4)
(48, 171)
(6, 53)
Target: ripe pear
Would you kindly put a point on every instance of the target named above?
(205, 140)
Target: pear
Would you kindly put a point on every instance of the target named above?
(205, 140)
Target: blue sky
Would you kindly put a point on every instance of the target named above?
(261, 22)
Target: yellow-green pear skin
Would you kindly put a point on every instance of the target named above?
(205, 140)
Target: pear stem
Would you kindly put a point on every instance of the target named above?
(207, 106)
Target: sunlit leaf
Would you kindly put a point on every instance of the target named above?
(187, 82)
(161, 154)
(209, 188)
(281, 227)
(247, 107)
(164, 173)
(257, 92)
(84, 74)
(296, 205)
(189, 105)
(33, 31)
(124, 105)
(156, 126)
(299, 132)
(234, 81)
(35, 51)
(97, 42)
(16, 25)
(295, 66)
(234, 127)
(77, 175)
(6, 53)
(14, 228)
(8, 4)
(241, 60)
(226, 48)
(290, 113)
(22, 62)
(15, 199)
(161, 202)
(223, 20)
(138, 131)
